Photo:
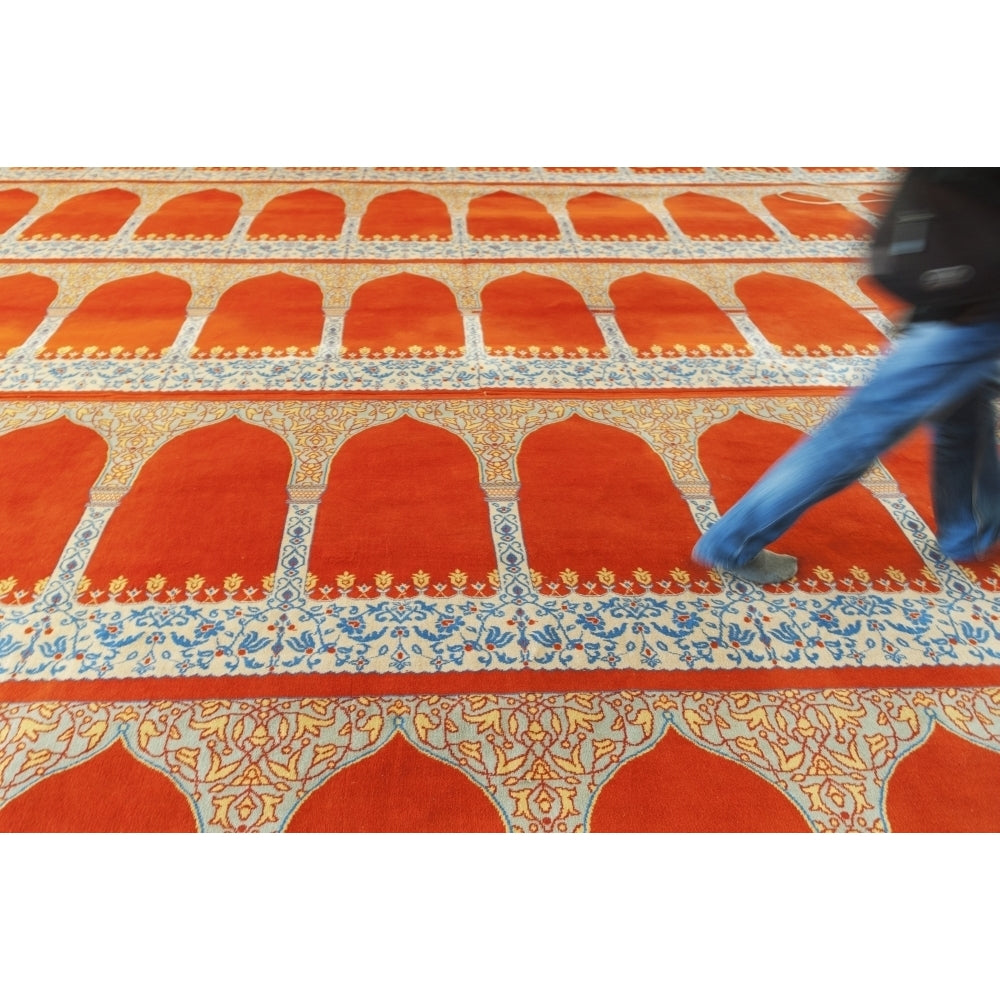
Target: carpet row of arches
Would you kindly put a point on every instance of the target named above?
(401, 314)
(313, 214)
(596, 503)
(944, 785)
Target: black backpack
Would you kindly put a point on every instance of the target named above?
(939, 243)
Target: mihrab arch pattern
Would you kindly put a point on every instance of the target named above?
(363, 498)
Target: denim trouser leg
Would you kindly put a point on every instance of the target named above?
(933, 368)
(966, 476)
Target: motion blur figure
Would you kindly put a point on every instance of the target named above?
(943, 371)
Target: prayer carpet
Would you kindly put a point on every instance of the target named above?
(363, 500)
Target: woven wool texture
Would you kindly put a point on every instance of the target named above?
(363, 500)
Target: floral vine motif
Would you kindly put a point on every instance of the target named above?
(246, 765)
(37, 740)
(829, 751)
(540, 757)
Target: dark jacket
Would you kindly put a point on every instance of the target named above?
(983, 184)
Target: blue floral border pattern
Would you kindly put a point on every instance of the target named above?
(946, 617)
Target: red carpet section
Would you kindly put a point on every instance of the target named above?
(24, 302)
(398, 790)
(299, 215)
(530, 315)
(365, 535)
(200, 215)
(96, 215)
(271, 315)
(136, 317)
(708, 217)
(592, 498)
(406, 215)
(217, 477)
(36, 522)
(363, 499)
(405, 315)
(666, 316)
(14, 206)
(112, 792)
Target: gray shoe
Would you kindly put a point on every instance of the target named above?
(766, 567)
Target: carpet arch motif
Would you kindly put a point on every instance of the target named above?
(363, 498)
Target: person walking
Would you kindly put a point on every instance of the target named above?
(944, 372)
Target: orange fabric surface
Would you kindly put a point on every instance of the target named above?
(24, 301)
(799, 317)
(397, 790)
(679, 788)
(513, 216)
(165, 528)
(363, 529)
(139, 316)
(270, 314)
(598, 216)
(592, 498)
(95, 214)
(400, 312)
(946, 785)
(812, 217)
(41, 503)
(409, 587)
(527, 310)
(111, 792)
(308, 214)
(656, 314)
(199, 215)
(705, 216)
(14, 206)
(405, 215)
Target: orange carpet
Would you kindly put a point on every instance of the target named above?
(345, 499)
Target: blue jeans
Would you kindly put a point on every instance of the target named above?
(938, 373)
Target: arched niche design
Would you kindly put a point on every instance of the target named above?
(803, 318)
(200, 215)
(309, 215)
(709, 217)
(209, 505)
(599, 216)
(129, 317)
(403, 499)
(398, 789)
(946, 785)
(504, 215)
(530, 313)
(403, 314)
(110, 792)
(662, 315)
(405, 215)
(94, 215)
(24, 301)
(848, 530)
(271, 314)
(15, 204)
(46, 474)
(679, 787)
(809, 216)
(596, 499)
